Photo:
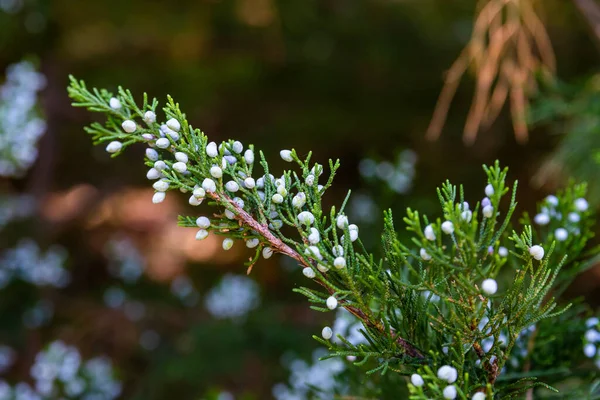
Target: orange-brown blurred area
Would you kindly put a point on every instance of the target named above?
(347, 79)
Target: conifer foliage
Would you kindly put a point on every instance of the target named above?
(460, 310)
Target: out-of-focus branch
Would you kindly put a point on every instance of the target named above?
(591, 12)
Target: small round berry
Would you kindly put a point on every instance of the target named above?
(299, 200)
(327, 333)
(502, 251)
(450, 392)
(149, 117)
(338, 251)
(203, 222)
(589, 350)
(267, 252)
(199, 192)
(424, 255)
(489, 286)
(180, 167)
(114, 146)
(489, 190)
(227, 243)
(537, 252)
(332, 303)
(212, 150)
(195, 201)
(114, 103)
(232, 186)
(277, 198)
(162, 143)
(341, 221)
(466, 215)
(209, 185)
(161, 185)
(201, 234)
(541, 219)
(286, 155)
(160, 165)
(249, 156)
(561, 234)
(216, 172)
(252, 243)
(181, 157)
(174, 124)
(309, 273)
(478, 396)
(249, 183)
(447, 227)
(339, 262)
(429, 233)
(129, 126)
(306, 218)
(552, 200)
(310, 180)
(488, 211)
(447, 373)
(158, 197)
(314, 237)
(581, 204)
(417, 380)
(153, 173)
(152, 154)
(486, 202)
(574, 217)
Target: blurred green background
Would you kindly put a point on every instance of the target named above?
(346, 79)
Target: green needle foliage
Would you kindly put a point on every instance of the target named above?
(460, 310)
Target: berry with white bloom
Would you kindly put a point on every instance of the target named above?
(353, 229)
(249, 156)
(502, 251)
(229, 214)
(201, 234)
(591, 322)
(488, 211)
(341, 221)
(163, 143)
(152, 154)
(339, 262)
(237, 147)
(592, 335)
(429, 233)
(180, 167)
(232, 186)
(313, 251)
(209, 185)
(216, 172)
(589, 350)
(447, 373)
(541, 219)
(327, 333)
(314, 237)
(306, 218)
(249, 183)
(286, 155)
(282, 191)
(182, 157)
(153, 173)
(466, 215)
(447, 227)
(161, 186)
(239, 202)
(581, 204)
(338, 251)
(267, 252)
(417, 380)
(310, 180)
(537, 252)
(195, 201)
(486, 202)
(574, 217)
(260, 182)
(212, 150)
(252, 243)
(174, 124)
(227, 243)
(478, 396)
(332, 303)
(299, 200)
(160, 165)
(450, 392)
(203, 222)
(489, 286)
(552, 200)
(114, 103)
(129, 126)
(114, 146)
(158, 197)
(309, 273)
(424, 255)
(489, 190)
(199, 192)
(277, 198)
(149, 117)
(561, 234)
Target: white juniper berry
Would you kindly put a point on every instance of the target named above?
(421, 304)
